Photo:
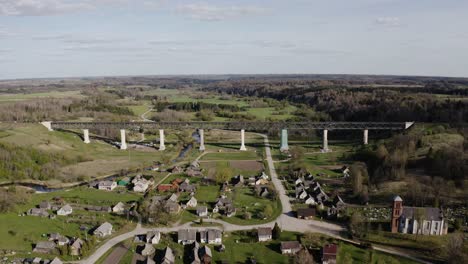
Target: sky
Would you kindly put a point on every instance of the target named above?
(75, 38)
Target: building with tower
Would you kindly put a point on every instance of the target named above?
(417, 220)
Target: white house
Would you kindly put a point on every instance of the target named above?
(153, 237)
(310, 200)
(202, 211)
(211, 236)
(103, 230)
(264, 234)
(119, 208)
(141, 186)
(65, 210)
(192, 202)
(303, 195)
(107, 185)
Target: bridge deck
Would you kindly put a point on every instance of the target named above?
(252, 126)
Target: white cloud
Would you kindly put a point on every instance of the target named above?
(42, 7)
(208, 12)
(388, 21)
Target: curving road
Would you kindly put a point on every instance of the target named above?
(286, 221)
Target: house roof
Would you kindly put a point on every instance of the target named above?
(77, 243)
(45, 244)
(187, 234)
(104, 228)
(290, 245)
(66, 207)
(201, 209)
(56, 261)
(264, 231)
(214, 234)
(397, 199)
(330, 249)
(428, 213)
(169, 255)
(205, 251)
(305, 212)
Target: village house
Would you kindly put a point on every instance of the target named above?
(75, 247)
(63, 240)
(38, 212)
(37, 260)
(148, 250)
(261, 181)
(229, 210)
(202, 211)
(211, 236)
(192, 202)
(107, 185)
(103, 230)
(44, 247)
(124, 181)
(205, 255)
(193, 171)
(65, 210)
(45, 205)
(264, 234)
(262, 190)
(310, 200)
(306, 213)
(176, 169)
(141, 186)
(166, 187)
(174, 197)
(169, 257)
(172, 207)
(290, 247)
(417, 220)
(153, 237)
(187, 187)
(186, 236)
(118, 208)
(195, 258)
(329, 253)
(56, 261)
(238, 181)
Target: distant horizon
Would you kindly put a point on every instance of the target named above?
(231, 74)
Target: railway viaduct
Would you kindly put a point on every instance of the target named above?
(236, 126)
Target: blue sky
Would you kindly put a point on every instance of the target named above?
(65, 38)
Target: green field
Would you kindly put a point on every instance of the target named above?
(99, 158)
(241, 155)
(19, 232)
(29, 96)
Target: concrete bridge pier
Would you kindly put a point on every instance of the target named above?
(86, 136)
(325, 141)
(123, 143)
(202, 139)
(366, 137)
(243, 148)
(284, 140)
(162, 146)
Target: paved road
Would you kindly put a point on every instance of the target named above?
(285, 220)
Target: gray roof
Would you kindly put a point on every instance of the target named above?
(290, 245)
(397, 199)
(429, 213)
(201, 209)
(205, 251)
(104, 228)
(45, 244)
(56, 261)
(169, 255)
(187, 234)
(264, 231)
(213, 234)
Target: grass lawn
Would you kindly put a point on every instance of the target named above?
(245, 201)
(28, 96)
(359, 255)
(100, 158)
(244, 155)
(270, 112)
